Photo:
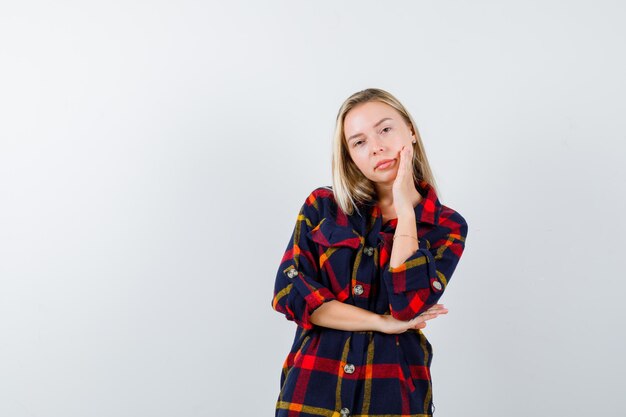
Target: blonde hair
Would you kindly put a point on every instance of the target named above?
(350, 187)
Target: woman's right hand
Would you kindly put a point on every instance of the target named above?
(391, 325)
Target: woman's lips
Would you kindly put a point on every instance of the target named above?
(385, 165)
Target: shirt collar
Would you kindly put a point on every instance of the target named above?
(429, 208)
(426, 211)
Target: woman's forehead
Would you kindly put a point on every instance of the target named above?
(367, 116)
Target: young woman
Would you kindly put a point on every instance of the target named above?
(365, 266)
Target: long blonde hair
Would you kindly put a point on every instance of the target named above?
(350, 187)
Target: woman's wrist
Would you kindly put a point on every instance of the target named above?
(407, 236)
(406, 213)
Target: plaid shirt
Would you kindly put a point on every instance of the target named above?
(332, 256)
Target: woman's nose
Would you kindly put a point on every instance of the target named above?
(377, 146)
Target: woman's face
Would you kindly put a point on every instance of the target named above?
(375, 133)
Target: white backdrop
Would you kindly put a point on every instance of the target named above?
(154, 155)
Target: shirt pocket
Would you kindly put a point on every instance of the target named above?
(329, 234)
(337, 249)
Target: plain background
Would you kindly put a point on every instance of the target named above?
(154, 156)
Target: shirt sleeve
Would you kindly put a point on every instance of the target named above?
(297, 290)
(420, 281)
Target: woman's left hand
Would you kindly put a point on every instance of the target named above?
(403, 186)
(391, 325)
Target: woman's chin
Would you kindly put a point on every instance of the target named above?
(384, 180)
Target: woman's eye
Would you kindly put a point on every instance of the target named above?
(387, 129)
(358, 143)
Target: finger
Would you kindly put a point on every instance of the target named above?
(435, 313)
(405, 156)
(406, 166)
(408, 150)
(429, 316)
(431, 313)
(401, 167)
(426, 317)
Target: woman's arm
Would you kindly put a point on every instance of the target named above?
(337, 315)
(405, 242)
(298, 291)
(418, 274)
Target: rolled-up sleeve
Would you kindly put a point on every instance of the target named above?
(419, 282)
(298, 291)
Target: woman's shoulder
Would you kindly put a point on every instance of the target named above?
(321, 198)
(323, 192)
(431, 210)
(321, 203)
(452, 220)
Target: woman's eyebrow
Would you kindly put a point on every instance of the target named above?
(359, 134)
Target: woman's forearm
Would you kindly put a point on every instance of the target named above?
(337, 315)
(405, 239)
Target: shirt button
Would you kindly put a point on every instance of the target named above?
(358, 289)
(437, 285)
(348, 368)
(369, 251)
(292, 273)
(344, 412)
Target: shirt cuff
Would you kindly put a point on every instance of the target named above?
(417, 272)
